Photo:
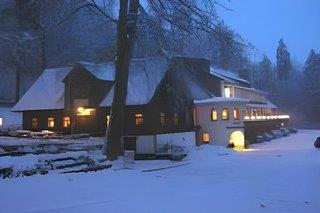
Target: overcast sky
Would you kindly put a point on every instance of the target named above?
(264, 22)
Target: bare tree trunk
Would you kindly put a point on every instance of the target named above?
(17, 85)
(125, 37)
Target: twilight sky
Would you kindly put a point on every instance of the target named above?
(264, 22)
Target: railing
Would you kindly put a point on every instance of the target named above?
(269, 117)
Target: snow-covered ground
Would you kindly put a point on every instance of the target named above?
(278, 176)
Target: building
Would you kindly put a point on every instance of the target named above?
(8, 119)
(165, 103)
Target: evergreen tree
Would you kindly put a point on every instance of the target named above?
(266, 77)
(283, 61)
(312, 64)
(312, 85)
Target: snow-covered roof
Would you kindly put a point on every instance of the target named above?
(227, 75)
(103, 71)
(219, 99)
(268, 105)
(144, 78)
(46, 93)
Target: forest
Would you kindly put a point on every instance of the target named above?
(35, 35)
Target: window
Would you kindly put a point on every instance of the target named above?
(162, 118)
(229, 91)
(139, 118)
(214, 114)
(258, 112)
(236, 114)
(66, 122)
(85, 111)
(176, 119)
(34, 123)
(108, 120)
(253, 112)
(206, 137)
(225, 114)
(1, 122)
(244, 112)
(50, 122)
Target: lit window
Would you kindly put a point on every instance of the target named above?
(85, 111)
(139, 118)
(229, 92)
(50, 122)
(176, 119)
(214, 114)
(34, 123)
(1, 122)
(162, 118)
(236, 114)
(206, 137)
(225, 114)
(108, 120)
(66, 122)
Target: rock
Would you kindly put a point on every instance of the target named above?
(317, 143)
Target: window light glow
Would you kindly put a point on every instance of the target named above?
(225, 114)
(66, 122)
(1, 121)
(214, 114)
(81, 111)
(206, 137)
(50, 122)
(139, 118)
(227, 92)
(236, 114)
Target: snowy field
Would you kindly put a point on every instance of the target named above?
(278, 176)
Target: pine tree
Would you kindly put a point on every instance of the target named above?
(312, 85)
(312, 63)
(266, 77)
(283, 61)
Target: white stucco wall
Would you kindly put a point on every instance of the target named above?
(146, 144)
(219, 130)
(179, 139)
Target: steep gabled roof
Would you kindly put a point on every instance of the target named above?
(144, 78)
(219, 100)
(46, 93)
(228, 75)
(102, 71)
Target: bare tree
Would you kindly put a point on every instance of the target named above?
(178, 18)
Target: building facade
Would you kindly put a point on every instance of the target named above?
(179, 97)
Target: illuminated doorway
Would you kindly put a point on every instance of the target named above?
(237, 140)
